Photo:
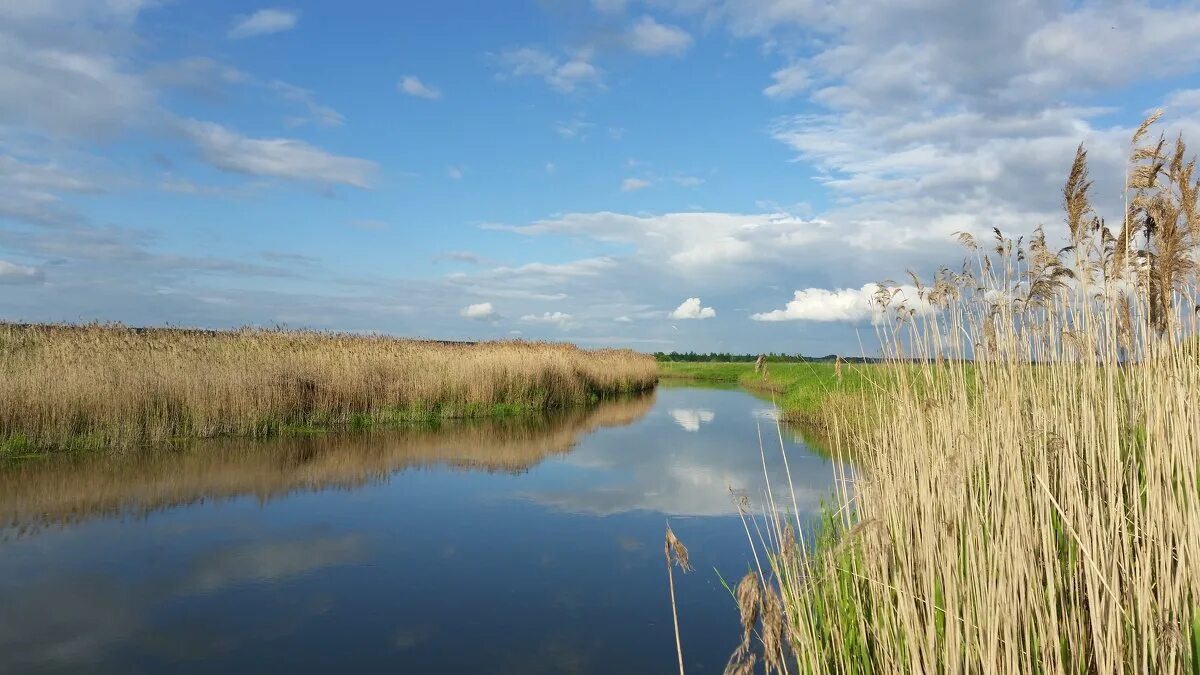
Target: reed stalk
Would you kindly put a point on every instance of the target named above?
(1027, 496)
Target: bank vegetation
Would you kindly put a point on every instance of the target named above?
(111, 386)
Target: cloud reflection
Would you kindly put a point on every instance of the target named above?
(690, 420)
(684, 465)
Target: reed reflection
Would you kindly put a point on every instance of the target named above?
(67, 489)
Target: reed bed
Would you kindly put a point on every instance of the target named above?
(68, 488)
(1027, 499)
(112, 386)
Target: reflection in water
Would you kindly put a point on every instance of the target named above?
(74, 620)
(324, 554)
(58, 490)
(696, 471)
(691, 420)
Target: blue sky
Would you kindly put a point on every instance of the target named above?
(668, 174)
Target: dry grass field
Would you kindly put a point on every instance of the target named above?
(105, 386)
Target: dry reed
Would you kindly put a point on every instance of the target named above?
(112, 386)
(1027, 499)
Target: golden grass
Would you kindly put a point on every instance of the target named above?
(1038, 510)
(62, 489)
(105, 386)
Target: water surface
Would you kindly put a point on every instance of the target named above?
(514, 546)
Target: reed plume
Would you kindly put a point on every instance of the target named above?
(1027, 497)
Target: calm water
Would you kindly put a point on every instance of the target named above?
(520, 546)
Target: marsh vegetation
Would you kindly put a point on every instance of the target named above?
(1036, 510)
(108, 386)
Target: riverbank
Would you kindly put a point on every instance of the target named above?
(90, 387)
(811, 395)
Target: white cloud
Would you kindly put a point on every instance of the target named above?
(62, 90)
(560, 319)
(789, 81)
(535, 281)
(11, 273)
(564, 75)
(455, 173)
(276, 157)
(1183, 99)
(647, 36)
(689, 181)
(482, 311)
(43, 177)
(413, 86)
(848, 305)
(691, 309)
(634, 184)
(551, 168)
(701, 244)
(263, 22)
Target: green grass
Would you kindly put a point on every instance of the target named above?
(803, 391)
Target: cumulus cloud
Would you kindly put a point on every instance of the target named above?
(11, 273)
(691, 309)
(850, 305)
(482, 311)
(413, 86)
(634, 184)
(565, 75)
(276, 157)
(647, 36)
(263, 22)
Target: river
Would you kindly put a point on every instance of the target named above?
(523, 545)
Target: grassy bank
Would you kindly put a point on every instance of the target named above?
(86, 387)
(808, 394)
(1037, 511)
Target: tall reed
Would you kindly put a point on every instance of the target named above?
(1027, 499)
(108, 385)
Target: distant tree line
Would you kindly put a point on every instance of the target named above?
(726, 357)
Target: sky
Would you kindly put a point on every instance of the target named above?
(725, 175)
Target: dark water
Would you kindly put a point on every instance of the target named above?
(520, 546)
